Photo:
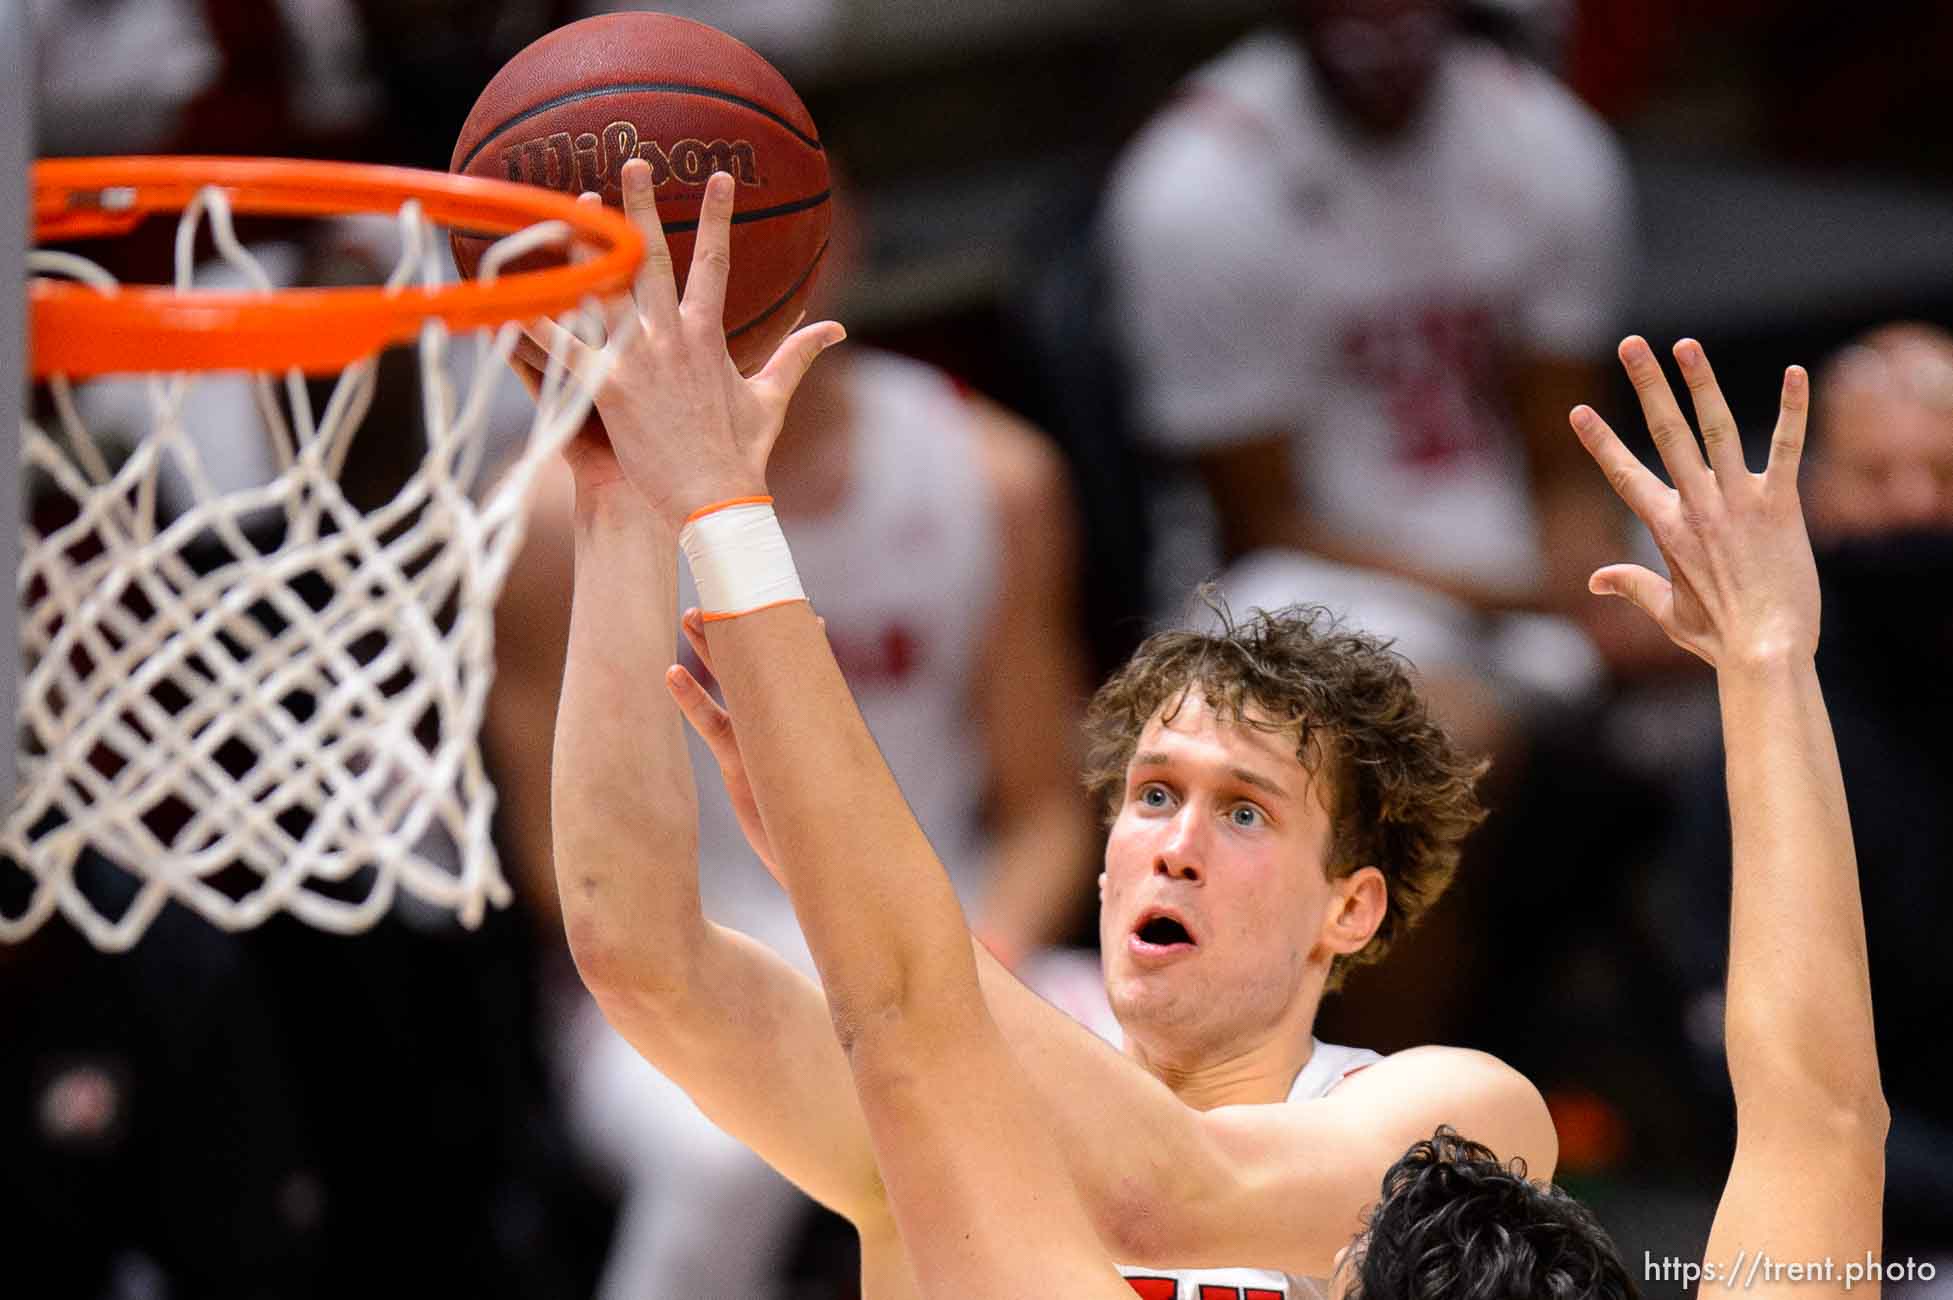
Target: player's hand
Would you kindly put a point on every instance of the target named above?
(687, 429)
(714, 726)
(1742, 585)
(592, 466)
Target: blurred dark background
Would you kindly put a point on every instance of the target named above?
(1792, 189)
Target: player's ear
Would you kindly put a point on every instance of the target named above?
(1356, 906)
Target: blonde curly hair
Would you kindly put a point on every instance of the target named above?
(1402, 796)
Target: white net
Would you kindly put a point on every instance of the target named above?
(262, 697)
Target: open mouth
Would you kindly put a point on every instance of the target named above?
(1163, 931)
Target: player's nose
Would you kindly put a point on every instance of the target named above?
(1181, 851)
(1177, 869)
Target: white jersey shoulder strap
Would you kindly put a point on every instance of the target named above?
(1329, 1064)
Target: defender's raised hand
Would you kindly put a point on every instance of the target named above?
(715, 727)
(687, 429)
(1742, 584)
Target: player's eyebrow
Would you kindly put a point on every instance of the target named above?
(1260, 782)
(1160, 758)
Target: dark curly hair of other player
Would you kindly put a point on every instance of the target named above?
(1456, 1224)
(1403, 796)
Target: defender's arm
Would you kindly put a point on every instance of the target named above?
(1808, 1179)
(1807, 1182)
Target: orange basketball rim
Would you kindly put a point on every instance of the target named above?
(79, 330)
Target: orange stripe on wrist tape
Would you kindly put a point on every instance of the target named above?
(727, 504)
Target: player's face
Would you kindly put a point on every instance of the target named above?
(1215, 892)
(1377, 58)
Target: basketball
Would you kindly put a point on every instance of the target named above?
(572, 107)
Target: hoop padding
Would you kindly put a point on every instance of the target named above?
(78, 330)
(267, 699)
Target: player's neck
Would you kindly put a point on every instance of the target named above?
(1261, 1068)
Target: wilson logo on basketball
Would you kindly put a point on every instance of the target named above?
(594, 161)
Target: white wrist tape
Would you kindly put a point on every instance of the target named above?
(739, 558)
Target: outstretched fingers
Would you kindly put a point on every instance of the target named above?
(655, 288)
(1673, 437)
(1632, 481)
(712, 723)
(705, 284)
(692, 623)
(594, 323)
(1719, 433)
(1787, 442)
(548, 339)
(714, 726)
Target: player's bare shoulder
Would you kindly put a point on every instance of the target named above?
(1474, 1092)
(1330, 1149)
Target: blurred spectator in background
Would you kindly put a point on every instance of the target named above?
(938, 529)
(1884, 462)
(205, 76)
(1878, 491)
(357, 80)
(1369, 265)
(118, 76)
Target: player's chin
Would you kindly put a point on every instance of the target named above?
(1159, 1001)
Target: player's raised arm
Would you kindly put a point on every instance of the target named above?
(982, 1201)
(1807, 1183)
(739, 1029)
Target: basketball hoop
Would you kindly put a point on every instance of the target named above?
(269, 699)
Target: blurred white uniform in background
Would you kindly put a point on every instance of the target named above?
(1285, 273)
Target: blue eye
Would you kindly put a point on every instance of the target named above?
(1153, 797)
(1245, 815)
